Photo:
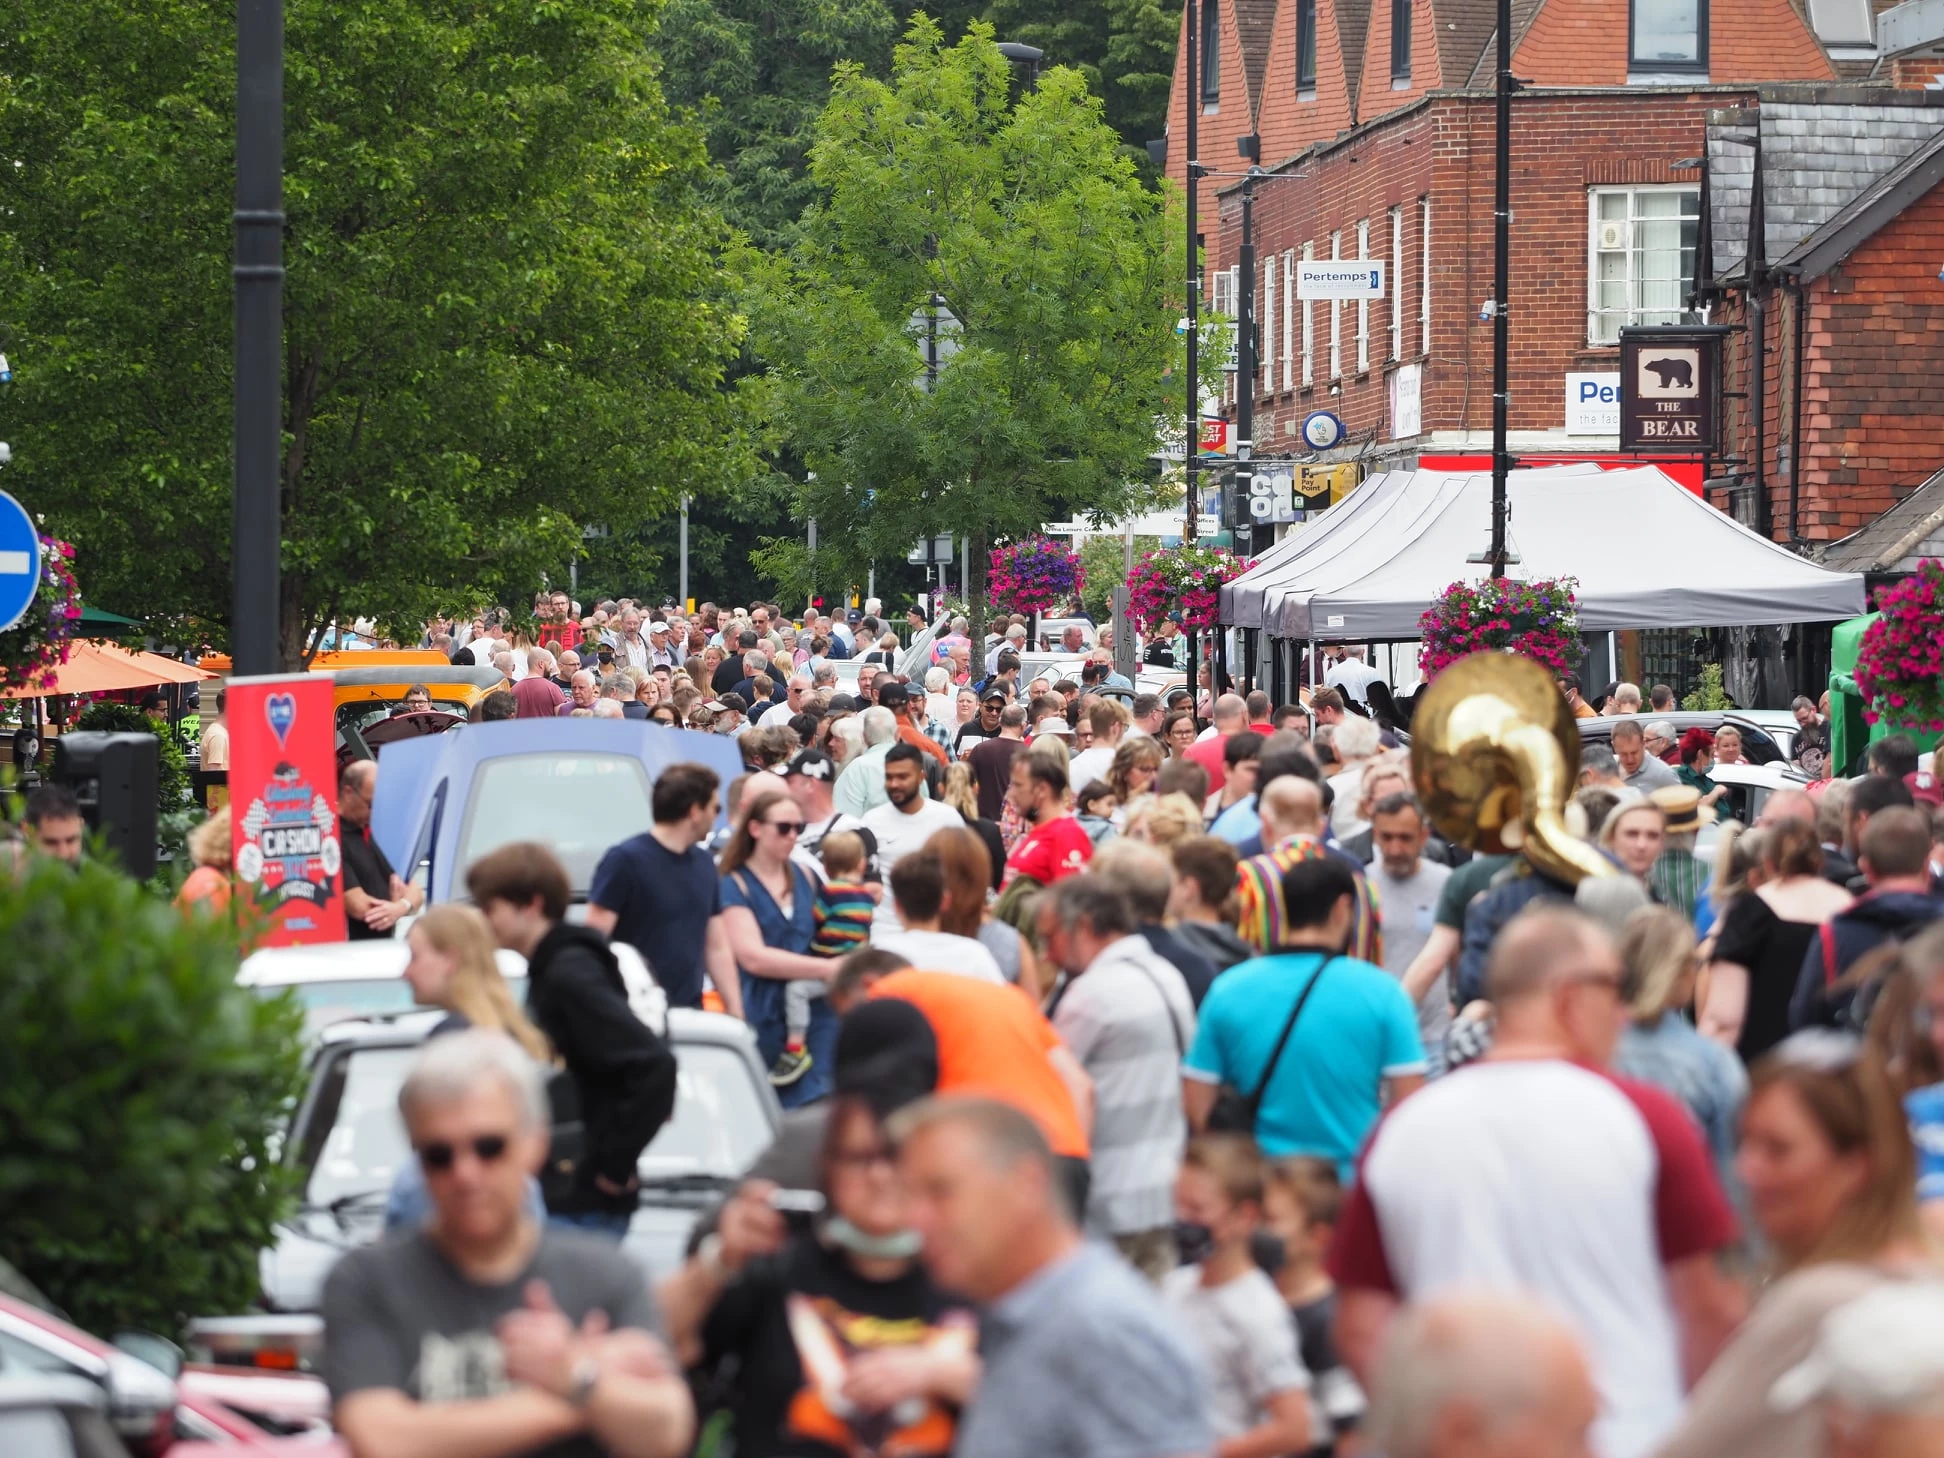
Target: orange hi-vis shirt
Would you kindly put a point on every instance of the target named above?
(993, 1041)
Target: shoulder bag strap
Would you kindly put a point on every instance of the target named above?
(1167, 1007)
(1254, 1100)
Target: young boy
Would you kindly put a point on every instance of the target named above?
(845, 903)
(1300, 1208)
(1258, 1387)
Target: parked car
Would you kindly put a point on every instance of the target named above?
(151, 1397)
(1768, 736)
(336, 981)
(54, 1417)
(579, 785)
(348, 1142)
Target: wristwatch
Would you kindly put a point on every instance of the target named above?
(587, 1372)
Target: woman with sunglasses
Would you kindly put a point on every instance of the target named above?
(769, 910)
(840, 1342)
(1831, 1176)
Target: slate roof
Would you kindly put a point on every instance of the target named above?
(1859, 219)
(1818, 154)
(1896, 541)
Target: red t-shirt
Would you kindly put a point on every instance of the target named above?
(1060, 847)
(1208, 754)
(560, 636)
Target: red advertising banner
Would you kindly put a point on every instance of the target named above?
(283, 804)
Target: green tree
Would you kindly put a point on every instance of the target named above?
(143, 1096)
(1124, 48)
(506, 314)
(1028, 225)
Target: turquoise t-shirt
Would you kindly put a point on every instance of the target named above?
(1356, 1030)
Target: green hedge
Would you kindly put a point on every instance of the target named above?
(141, 1095)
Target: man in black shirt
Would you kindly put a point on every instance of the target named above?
(375, 897)
(730, 672)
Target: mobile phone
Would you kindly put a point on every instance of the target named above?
(797, 1207)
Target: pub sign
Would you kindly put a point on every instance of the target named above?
(1670, 388)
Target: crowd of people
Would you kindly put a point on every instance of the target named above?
(1164, 1082)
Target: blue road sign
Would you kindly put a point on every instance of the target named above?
(20, 561)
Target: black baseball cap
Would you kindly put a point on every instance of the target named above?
(841, 704)
(893, 695)
(994, 696)
(812, 764)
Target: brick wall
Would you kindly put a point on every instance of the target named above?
(1378, 94)
(1584, 43)
(1288, 123)
(1441, 151)
(1219, 130)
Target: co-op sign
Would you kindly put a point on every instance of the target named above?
(1340, 278)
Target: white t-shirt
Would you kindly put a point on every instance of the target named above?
(898, 835)
(777, 714)
(1554, 1181)
(1354, 677)
(1247, 1343)
(930, 951)
(1090, 765)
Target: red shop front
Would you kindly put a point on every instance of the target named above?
(1688, 470)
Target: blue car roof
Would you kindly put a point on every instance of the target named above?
(409, 770)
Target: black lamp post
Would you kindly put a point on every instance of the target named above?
(256, 526)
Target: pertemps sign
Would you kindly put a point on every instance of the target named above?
(1593, 404)
(1340, 278)
(1669, 386)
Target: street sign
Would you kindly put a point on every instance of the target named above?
(932, 551)
(1214, 434)
(20, 561)
(1670, 382)
(1321, 430)
(1340, 278)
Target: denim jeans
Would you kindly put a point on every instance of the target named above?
(612, 1224)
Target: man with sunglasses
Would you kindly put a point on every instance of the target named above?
(1535, 1171)
(485, 1332)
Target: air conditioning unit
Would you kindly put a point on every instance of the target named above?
(1613, 237)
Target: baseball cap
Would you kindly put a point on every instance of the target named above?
(893, 695)
(994, 696)
(715, 706)
(842, 704)
(735, 703)
(812, 764)
(1055, 725)
(1884, 1351)
(1926, 787)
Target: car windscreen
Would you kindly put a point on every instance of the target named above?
(579, 804)
(327, 1002)
(354, 1140)
(363, 713)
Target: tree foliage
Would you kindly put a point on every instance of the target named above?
(1025, 220)
(506, 311)
(1124, 48)
(139, 1111)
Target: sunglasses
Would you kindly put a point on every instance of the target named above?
(441, 1156)
(788, 827)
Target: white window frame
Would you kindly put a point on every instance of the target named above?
(1336, 313)
(1266, 318)
(1289, 319)
(1363, 305)
(1593, 251)
(1309, 326)
(1397, 284)
(1424, 282)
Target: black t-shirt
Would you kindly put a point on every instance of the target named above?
(780, 1410)
(662, 903)
(1334, 1393)
(728, 674)
(1772, 950)
(992, 765)
(366, 870)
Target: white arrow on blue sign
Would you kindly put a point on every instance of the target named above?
(20, 561)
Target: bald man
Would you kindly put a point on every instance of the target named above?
(1291, 808)
(1473, 1375)
(1540, 1172)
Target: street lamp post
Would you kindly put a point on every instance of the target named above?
(1501, 285)
(1191, 415)
(256, 509)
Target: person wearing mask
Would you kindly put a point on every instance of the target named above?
(375, 896)
(659, 893)
(1894, 852)
(486, 1331)
(1832, 1186)
(1144, 875)
(1301, 1198)
(754, 1292)
(1661, 1047)
(623, 1074)
(1409, 888)
(1560, 1158)
(1201, 901)
(1642, 770)
(768, 917)
(1126, 1015)
(918, 887)
(988, 1198)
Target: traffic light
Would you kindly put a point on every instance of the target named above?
(113, 776)
(816, 602)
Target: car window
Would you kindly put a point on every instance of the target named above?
(719, 1125)
(35, 1433)
(366, 712)
(579, 804)
(325, 1003)
(19, 1357)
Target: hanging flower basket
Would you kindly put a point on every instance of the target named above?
(1900, 663)
(1537, 620)
(33, 648)
(1033, 576)
(1181, 580)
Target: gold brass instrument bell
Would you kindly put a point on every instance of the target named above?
(1495, 753)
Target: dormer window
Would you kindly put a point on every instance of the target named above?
(1211, 53)
(1668, 36)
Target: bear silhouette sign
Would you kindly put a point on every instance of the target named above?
(1667, 390)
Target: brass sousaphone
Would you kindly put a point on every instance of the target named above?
(1495, 752)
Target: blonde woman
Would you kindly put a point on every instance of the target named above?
(453, 967)
(209, 885)
(1163, 820)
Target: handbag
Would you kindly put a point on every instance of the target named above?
(1236, 1113)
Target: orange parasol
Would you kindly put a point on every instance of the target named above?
(97, 668)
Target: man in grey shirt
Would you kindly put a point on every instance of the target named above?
(1644, 773)
(1081, 1359)
(1408, 887)
(486, 1332)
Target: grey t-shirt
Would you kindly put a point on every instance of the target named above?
(1247, 1340)
(1084, 1362)
(1410, 908)
(1653, 774)
(400, 1315)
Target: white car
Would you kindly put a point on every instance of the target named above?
(336, 981)
(1755, 782)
